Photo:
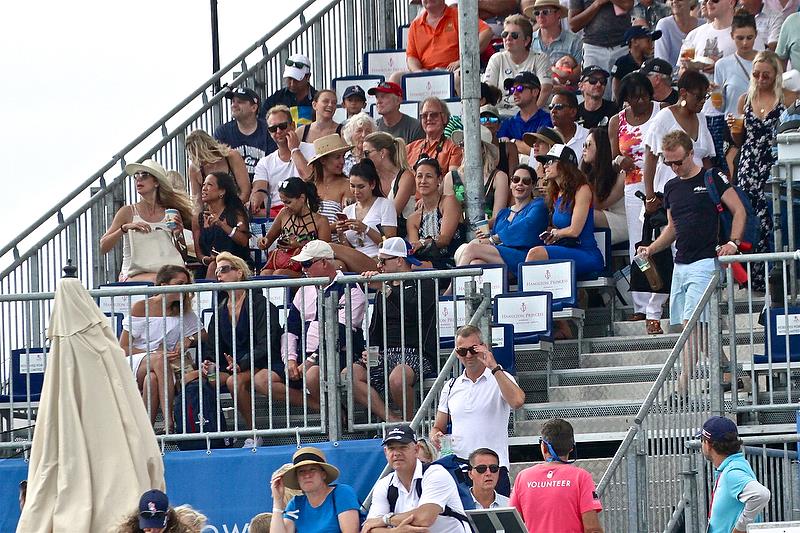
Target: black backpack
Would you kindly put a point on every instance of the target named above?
(194, 412)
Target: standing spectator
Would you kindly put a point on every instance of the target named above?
(557, 495)
(509, 156)
(207, 155)
(484, 471)
(552, 38)
(354, 132)
(564, 111)
(434, 115)
(789, 41)
(768, 23)
(324, 106)
(289, 160)
(354, 101)
(604, 23)
(540, 143)
(481, 397)
(627, 132)
(674, 29)
(659, 73)
(608, 184)
(332, 184)
(517, 57)
(525, 88)
(388, 96)
(427, 499)
(784, 7)
(595, 110)
(388, 153)
(247, 132)
(732, 73)
(647, 13)
(298, 93)
(640, 48)
(738, 496)
(761, 106)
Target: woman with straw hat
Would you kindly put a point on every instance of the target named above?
(322, 507)
(328, 176)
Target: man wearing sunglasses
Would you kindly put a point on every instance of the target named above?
(552, 38)
(477, 404)
(524, 89)
(564, 111)
(595, 111)
(484, 471)
(297, 94)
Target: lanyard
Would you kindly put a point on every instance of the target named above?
(711, 503)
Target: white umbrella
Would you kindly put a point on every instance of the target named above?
(94, 451)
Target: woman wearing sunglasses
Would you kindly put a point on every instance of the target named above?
(516, 57)
(324, 106)
(509, 155)
(207, 155)
(516, 228)
(434, 116)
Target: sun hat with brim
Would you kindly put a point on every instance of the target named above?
(559, 152)
(541, 4)
(397, 247)
(149, 166)
(486, 138)
(308, 456)
(314, 250)
(543, 134)
(329, 144)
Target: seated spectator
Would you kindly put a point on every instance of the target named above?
(434, 229)
(354, 101)
(242, 353)
(570, 198)
(673, 30)
(388, 97)
(434, 116)
(426, 451)
(566, 72)
(354, 131)
(490, 94)
(552, 38)
(788, 48)
(322, 506)
(595, 110)
(648, 13)
(246, 132)
(400, 347)
(540, 143)
(608, 184)
(640, 48)
(327, 175)
(154, 515)
(525, 88)
(484, 472)
(324, 106)
(517, 57)
(298, 93)
(207, 155)
(161, 327)
(290, 159)
(495, 181)
(509, 156)
(222, 225)
(297, 223)
(564, 113)
(397, 181)
(317, 260)
(659, 72)
(516, 229)
(147, 224)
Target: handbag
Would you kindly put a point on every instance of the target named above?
(662, 261)
(153, 250)
(281, 258)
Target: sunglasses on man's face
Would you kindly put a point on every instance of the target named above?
(595, 81)
(464, 351)
(296, 64)
(481, 469)
(518, 88)
(307, 264)
(526, 180)
(543, 12)
(513, 34)
(489, 120)
(557, 107)
(279, 126)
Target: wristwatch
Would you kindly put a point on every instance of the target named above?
(497, 369)
(387, 519)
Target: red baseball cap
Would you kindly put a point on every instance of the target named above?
(387, 87)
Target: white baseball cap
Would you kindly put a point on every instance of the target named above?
(314, 250)
(396, 247)
(297, 66)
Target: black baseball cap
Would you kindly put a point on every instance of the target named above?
(636, 32)
(559, 152)
(354, 90)
(659, 66)
(523, 78)
(594, 69)
(401, 434)
(244, 93)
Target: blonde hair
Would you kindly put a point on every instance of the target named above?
(203, 148)
(194, 520)
(280, 108)
(524, 24)
(355, 122)
(260, 523)
(176, 179)
(396, 146)
(675, 139)
(771, 58)
(237, 262)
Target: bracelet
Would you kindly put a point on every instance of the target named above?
(122, 229)
(265, 191)
(203, 260)
(651, 199)
(294, 150)
(276, 510)
(233, 231)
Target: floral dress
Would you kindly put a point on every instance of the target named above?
(755, 163)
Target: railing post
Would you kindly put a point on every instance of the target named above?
(368, 26)
(641, 480)
(330, 383)
(715, 354)
(351, 61)
(632, 484)
(318, 70)
(775, 183)
(486, 319)
(689, 474)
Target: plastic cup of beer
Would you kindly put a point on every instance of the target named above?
(373, 356)
(716, 99)
(738, 124)
(688, 53)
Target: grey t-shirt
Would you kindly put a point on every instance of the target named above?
(408, 128)
(606, 29)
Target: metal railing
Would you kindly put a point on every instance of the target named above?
(334, 34)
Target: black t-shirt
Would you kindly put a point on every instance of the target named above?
(694, 216)
(251, 147)
(624, 66)
(598, 117)
(672, 98)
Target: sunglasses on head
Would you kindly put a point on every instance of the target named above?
(526, 180)
(224, 269)
(489, 120)
(481, 469)
(518, 88)
(543, 12)
(279, 126)
(464, 351)
(513, 34)
(296, 64)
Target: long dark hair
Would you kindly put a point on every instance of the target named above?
(234, 208)
(573, 179)
(166, 274)
(294, 187)
(600, 174)
(366, 171)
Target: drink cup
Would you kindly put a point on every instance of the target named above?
(373, 356)
(482, 226)
(688, 53)
(445, 445)
(738, 124)
(171, 216)
(641, 262)
(716, 99)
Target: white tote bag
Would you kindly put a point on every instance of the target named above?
(151, 251)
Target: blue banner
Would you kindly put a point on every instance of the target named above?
(228, 486)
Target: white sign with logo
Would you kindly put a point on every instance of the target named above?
(527, 313)
(490, 275)
(118, 304)
(554, 278)
(794, 324)
(386, 63)
(450, 319)
(418, 88)
(31, 363)
(498, 336)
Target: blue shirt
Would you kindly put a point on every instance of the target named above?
(730, 479)
(515, 127)
(325, 518)
(568, 43)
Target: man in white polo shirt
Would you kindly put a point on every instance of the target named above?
(477, 404)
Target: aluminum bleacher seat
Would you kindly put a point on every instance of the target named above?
(417, 86)
(384, 62)
(365, 82)
(115, 320)
(603, 280)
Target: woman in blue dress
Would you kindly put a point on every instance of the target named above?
(516, 228)
(323, 507)
(572, 233)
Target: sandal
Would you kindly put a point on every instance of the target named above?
(654, 327)
(635, 317)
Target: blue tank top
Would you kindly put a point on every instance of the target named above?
(563, 219)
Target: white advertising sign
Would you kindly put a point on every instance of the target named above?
(554, 278)
(450, 320)
(794, 324)
(386, 63)
(418, 88)
(490, 275)
(32, 363)
(527, 313)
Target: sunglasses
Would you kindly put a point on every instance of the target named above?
(296, 64)
(489, 120)
(142, 175)
(549, 162)
(513, 34)
(526, 180)
(557, 107)
(675, 163)
(481, 469)
(429, 115)
(382, 261)
(519, 88)
(152, 514)
(307, 264)
(543, 12)
(224, 269)
(279, 126)
(596, 81)
(464, 351)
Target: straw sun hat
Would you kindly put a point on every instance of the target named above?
(329, 144)
(308, 456)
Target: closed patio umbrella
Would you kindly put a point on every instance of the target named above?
(94, 451)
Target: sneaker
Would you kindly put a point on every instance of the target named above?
(250, 443)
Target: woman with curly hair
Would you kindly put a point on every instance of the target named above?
(207, 155)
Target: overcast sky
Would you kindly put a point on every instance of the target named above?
(83, 78)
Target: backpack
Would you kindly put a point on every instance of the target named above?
(751, 225)
(193, 414)
(455, 467)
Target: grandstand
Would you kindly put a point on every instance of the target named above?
(617, 385)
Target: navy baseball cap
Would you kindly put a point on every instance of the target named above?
(719, 429)
(636, 32)
(523, 78)
(354, 90)
(244, 93)
(401, 434)
(659, 66)
(153, 507)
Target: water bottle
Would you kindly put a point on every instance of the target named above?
(446, 445)
(649, 271)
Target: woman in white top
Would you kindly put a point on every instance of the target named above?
(674, 30)
(157, 333)
(354, 132)
(389, 155)
(517, 57)
(608, 185)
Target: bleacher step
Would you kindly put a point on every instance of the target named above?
(626, 328)
(627, 358)
(582, 425)
(606, 391)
